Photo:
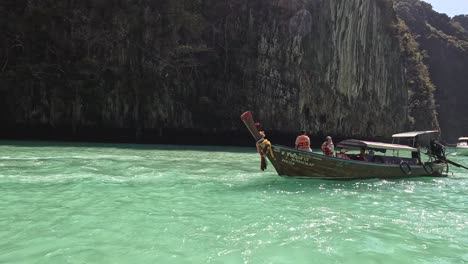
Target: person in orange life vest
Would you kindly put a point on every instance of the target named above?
(303, 142)
(328, 147)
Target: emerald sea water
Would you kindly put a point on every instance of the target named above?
(109, 203)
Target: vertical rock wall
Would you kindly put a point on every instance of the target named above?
(327, 66)
(443, 46)
(155, 67)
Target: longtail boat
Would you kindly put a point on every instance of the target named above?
(290, 162)
(462, 146)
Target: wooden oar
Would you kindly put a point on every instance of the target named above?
(455, 164)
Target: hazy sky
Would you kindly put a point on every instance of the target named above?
(450, 7)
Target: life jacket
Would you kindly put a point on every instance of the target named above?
(327, 150)
(303, 142)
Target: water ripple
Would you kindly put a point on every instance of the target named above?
(168, 204)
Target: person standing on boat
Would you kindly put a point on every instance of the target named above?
(327, 147)
(303, 142)
(437, 149)
(417, 154)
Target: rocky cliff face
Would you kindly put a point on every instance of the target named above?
(444, 44)
(154, 67)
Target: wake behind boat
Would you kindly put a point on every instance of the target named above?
(290, 162)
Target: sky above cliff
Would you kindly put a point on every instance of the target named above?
(450, 7)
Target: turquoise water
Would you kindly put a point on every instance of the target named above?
(96, 203)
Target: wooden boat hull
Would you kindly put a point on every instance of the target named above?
(289, 162)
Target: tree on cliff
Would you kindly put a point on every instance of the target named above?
(443, 42)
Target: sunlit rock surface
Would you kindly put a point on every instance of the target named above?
(155, 69)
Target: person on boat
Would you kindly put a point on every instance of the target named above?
(327, 147)
(342, 154)
(303, 142)
(362, 155)
(417, 154)
(262, 149)
(437, 149)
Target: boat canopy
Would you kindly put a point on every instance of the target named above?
(463, 139)
(414, 134)
(357, 144)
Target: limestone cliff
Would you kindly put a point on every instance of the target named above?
(153, 68)
(443, 42)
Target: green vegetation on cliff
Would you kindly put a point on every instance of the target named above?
(443, 42)
(421, 101)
